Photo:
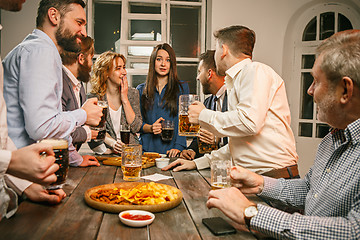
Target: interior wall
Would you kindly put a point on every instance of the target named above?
(17, 25)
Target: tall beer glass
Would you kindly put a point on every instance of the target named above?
(60, 148)
(185, 127)
(102, 124)
(131, 160)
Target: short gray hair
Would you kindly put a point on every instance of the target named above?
(341, 56)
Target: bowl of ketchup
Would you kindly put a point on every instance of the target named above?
(136, 218)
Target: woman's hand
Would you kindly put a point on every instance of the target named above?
(124, 88)
(156, 126)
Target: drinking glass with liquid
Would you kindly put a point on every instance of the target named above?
(167, 130)
(185, 127)
(101, 127)
(131, 160)
(125, 134)
(220, 174)
(60, 148)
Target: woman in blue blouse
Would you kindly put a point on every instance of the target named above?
(159, 98)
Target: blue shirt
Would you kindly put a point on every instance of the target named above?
(329, 194)
(33, 87)
(151, 142)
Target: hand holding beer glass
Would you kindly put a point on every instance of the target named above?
(185, 127)
(131, 160)
(220, 174)
(206, 141)
(60, 148)
(101, 126)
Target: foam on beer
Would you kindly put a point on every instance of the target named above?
(56, 143)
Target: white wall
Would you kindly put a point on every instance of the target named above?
(17, 25)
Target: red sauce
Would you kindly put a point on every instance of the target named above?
(136, 217)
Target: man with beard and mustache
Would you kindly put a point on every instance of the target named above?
(76, 70)
(15, 162)
(213, 84)
(33, 79)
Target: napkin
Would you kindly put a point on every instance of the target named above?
(156, 177)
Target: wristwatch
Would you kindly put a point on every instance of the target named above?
(250, 212)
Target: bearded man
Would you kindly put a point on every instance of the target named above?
(76, 71)
(33, 79)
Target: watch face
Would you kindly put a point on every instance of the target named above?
(250, 211)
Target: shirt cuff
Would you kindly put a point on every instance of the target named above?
(79, 114)
(202, 162)
(5, 157)
(75, 159)
(17, 184)
(101, 149)
(88, 133)
(270, 189)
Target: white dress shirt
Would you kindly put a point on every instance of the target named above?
(257, 121)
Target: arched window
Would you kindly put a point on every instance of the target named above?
(318, 28)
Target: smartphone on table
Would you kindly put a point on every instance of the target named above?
(218, 226)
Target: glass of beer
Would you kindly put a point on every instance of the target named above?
(185, 127)
(167, 130)
(131, 160)
(220, 174)
(125, 134)
(101, 127)
(206, 147)
(60, 148)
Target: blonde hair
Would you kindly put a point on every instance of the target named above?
(100, 71)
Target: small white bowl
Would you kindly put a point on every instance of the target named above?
(162, 162)
(136, 223)
(162, 155)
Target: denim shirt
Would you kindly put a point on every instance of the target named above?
(152, 142)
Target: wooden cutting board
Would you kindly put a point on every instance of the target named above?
(116, 208)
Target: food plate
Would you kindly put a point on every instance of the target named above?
(116, 208)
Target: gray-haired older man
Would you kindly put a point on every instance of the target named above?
(330, 192)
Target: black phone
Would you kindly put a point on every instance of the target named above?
(218, 226)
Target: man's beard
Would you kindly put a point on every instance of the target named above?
(84, 72)
(206, 88)
(66, 40)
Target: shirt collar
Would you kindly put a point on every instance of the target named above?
(74, 80)
(350, 134)
(221, 91)
(234, 70)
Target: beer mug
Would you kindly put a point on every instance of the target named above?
(167, 130)
(206, 147)
(60, 148)
(131, 160)
(101, 127)
(220, 174)
(185, 127)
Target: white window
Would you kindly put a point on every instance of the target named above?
(134, 27)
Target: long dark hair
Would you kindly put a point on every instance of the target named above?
(173, 85)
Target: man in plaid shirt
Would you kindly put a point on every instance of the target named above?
(329, 194)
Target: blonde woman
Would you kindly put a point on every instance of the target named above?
(109, 83)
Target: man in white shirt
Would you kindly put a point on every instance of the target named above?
(76, 70)
(258, 119)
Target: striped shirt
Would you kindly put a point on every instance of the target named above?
(329, 194)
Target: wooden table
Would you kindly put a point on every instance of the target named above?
(74, 219)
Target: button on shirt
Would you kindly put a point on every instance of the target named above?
(329, 194)
(257, 121)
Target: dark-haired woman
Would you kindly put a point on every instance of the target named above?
(159, 98)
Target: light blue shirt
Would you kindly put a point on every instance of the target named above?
(32, 90)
